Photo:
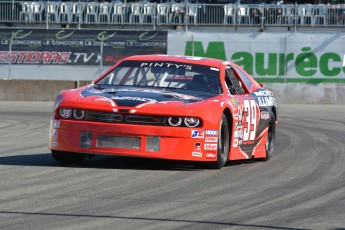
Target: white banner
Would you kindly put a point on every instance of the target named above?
(269, 55)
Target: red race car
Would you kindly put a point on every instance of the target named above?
(168, 107)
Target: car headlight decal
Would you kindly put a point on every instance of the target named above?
(65, 113)
(191, 121)
(78, 114)
(175, 121)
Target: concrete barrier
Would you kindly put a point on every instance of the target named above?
(34, 90)
(307, 93)
(287, 93)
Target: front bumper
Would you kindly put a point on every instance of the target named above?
(175, 143)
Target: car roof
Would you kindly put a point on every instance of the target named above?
(178, 58)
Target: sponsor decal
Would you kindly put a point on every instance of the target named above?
(238, 125)
(197, 151)
(235, 143)
(166, 65)
(265, 101)
(211, 132)
(197, 134)
(238, 129)
(211, 139)
(264, 98)
(134, 99)
(238, 133)
(265, 115)
(235, 101)
(56, 124)
(210, 147)
(54, 137)
(238, 114)
(263, 93)
(215, 69)
(235, 112)
(211, 155)
(196, 154)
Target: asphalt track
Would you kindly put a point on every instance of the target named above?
(301, 187)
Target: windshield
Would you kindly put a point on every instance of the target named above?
(164, 74)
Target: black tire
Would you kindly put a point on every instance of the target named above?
(223, 144)
(67, 157)
(271, 136)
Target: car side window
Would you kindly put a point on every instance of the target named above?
(234, 85)
(244, 78)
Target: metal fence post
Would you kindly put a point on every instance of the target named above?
(47, 14)
(185, 17)
(262, 16)
(295, 16)
(10, 54)
(154, 17)
(101, 61)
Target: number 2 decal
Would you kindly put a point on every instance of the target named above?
(249, 120)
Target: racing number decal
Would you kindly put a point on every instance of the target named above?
(249, 120)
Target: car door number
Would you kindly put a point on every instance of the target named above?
(249, 120)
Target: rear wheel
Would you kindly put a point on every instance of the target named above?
(68, 157)
(271, 136)
(223, 143)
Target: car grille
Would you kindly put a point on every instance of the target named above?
(125, 118)
(103, 117)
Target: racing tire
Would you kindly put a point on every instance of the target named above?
(271, 136)
(68, 157)
(223, 144)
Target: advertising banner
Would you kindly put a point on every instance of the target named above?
(269, 56)
(70, 54)
(77, 47)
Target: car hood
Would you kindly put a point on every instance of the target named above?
(136, 96)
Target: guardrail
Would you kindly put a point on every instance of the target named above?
(171, 14)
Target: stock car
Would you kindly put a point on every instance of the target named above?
(168, 107)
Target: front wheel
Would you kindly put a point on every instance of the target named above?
(67, 157)
(271, 137)
(223, 143)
